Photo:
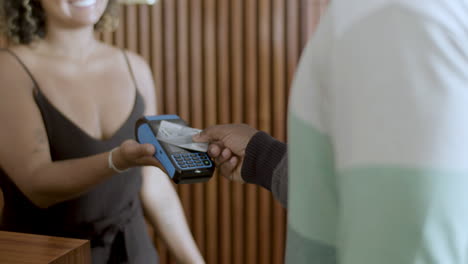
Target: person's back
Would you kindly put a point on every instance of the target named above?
(378, 136)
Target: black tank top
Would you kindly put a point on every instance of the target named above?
(110, 214)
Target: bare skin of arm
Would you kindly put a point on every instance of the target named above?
(159, 198)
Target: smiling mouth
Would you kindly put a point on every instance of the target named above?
(83, 3)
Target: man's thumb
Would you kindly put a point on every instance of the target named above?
(207, 135)
(201, 137)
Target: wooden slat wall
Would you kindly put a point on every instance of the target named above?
(224, 61)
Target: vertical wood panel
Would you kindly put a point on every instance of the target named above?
(210, 115)
(143, 31)
(237, 82)
(265, 115)
(279, 111)
(183, 79)
(1, 193)
(119, 34)
(157, 54)
(170, 62)
(309, 19)
(170, 57)
(131, 28)
(222, 61)
(251, 86)
(279, 70)
(294, 38)
(197, 111)
(224, 108)
(3, 44)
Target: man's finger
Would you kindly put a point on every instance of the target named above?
(225, 155)
(230, 169)
(234, 161)
(227, 170)
(214, 150)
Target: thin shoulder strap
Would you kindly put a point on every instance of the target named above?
(23, 66)
(130, 69)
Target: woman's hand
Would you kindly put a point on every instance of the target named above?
(132, 154)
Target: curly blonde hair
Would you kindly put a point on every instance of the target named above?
(23, 21)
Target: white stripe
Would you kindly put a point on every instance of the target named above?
(309, 100)
(347, 12)
(402, 99)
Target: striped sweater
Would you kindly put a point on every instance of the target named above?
(378, 136)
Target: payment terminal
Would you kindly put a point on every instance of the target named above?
(182, 165)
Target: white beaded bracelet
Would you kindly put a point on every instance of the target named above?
(111, 163)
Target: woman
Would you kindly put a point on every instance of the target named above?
(67, 102)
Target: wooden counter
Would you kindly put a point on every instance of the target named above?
(21, 248)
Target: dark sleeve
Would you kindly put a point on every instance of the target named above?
(279, 183)
(262, 157)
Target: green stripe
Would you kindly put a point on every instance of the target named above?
(403, 215)
(311, 183)
(386, 214)
(303, 250)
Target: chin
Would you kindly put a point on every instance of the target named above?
(75, 13)
(87, 11)
(83, 20)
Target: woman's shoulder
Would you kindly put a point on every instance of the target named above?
(10, 56)
(143, 77)
(16, 83)
(12, 67)
(140, 69)
(137, 62)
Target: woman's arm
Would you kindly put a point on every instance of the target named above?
(159, 198)
(164, 210)
(25, 154)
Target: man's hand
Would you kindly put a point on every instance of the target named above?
(227, 147)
